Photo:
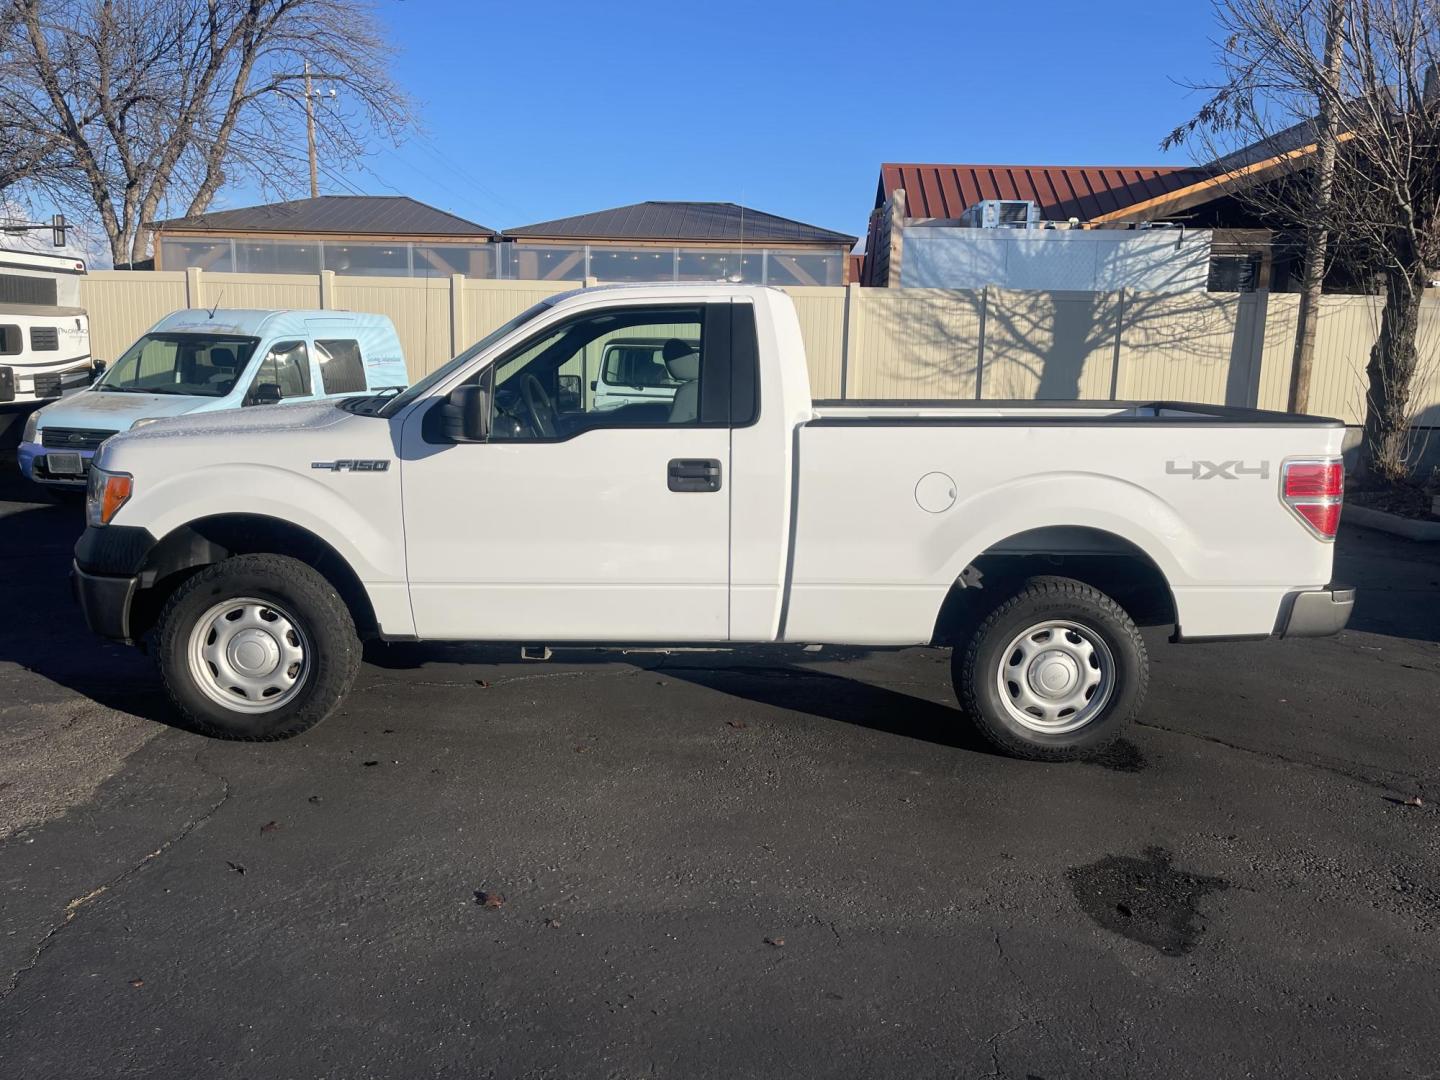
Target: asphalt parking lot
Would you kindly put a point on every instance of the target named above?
(720, 866)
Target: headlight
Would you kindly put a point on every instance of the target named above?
(106, 494)
(32, 427)
(143, 421)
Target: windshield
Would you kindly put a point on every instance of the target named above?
(440, 374)
(202, 365)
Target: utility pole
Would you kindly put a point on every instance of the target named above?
(310, 135)
(310, 94)
(1327, 143)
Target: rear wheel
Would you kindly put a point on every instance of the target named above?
(1055, 672)
(257, 647)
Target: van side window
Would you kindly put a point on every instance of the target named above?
(341, 369)
(12, 343)
(287, 366)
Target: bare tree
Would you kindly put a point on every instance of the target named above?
(155, 104)
(1377, 100)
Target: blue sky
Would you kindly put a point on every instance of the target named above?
(537, 110)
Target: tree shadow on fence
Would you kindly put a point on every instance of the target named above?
(998, 344)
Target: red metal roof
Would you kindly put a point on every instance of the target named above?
(1063, 191)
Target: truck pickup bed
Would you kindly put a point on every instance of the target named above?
(504, 498)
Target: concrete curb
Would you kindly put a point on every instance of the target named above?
(1409, 528)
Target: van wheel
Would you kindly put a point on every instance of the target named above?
(1054, 673)
(257, 647)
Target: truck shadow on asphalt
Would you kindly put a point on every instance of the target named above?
(773, 677)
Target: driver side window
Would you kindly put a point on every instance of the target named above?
(636, 367)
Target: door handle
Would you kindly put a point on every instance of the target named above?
(694, 474)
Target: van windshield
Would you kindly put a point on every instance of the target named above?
(201, 365)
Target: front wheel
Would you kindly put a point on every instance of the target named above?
(257, 647)
(1054, 673)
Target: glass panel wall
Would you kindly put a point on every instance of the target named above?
(632, 264)
(442, 260)
(206, 254)
(276, 257)
(804, 268)
(524, 262)
(382, 260)
(542, 263)
(698, 264)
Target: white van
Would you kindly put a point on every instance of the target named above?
(198, 361)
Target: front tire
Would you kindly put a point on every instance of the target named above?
(1054, 673)
(257, 647)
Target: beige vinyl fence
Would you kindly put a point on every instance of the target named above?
(907, 344)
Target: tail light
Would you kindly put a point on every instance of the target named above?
(1314, 490)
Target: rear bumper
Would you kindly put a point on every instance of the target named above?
(105, 601)
(1316, 612)
(39, 387)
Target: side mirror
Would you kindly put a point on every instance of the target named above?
(467, 414)
(97, 368)
(567, 395)
(266, 393)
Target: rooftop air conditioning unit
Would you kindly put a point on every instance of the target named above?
(1002, 214)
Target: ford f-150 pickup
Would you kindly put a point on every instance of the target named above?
(502, 499)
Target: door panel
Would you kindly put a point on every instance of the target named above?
(603, 525)
(572, 541)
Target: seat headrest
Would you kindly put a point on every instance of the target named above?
(682, 360)
(222, 357)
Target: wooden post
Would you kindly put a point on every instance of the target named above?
(327, 289)
(897, 237)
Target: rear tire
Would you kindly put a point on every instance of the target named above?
(1054, 673)
(256, 647)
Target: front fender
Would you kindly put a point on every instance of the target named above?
(357, 514)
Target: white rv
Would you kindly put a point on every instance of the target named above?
(44, 333)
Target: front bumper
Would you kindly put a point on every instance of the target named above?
(107, 573)
(1316, 612)
(105, 601)
(31, 459)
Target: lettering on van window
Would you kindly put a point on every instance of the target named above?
(1225, 470)
(353, 465)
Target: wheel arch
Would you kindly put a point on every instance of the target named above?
(191, 547)
(1111, 563)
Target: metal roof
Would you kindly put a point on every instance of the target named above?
(388, 215)
(678, 221)
(1086, 192)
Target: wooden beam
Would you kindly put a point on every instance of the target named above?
(1210, 188)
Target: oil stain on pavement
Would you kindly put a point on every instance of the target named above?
(1145, 899)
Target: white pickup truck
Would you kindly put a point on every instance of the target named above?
(493, 501)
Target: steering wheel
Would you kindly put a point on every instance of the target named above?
(539, 406)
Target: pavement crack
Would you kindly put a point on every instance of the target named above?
(1387, 779)
(80, 903)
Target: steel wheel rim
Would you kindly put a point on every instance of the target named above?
(1055, 676)
(248, 655)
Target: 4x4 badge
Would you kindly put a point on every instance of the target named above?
(1225, 470)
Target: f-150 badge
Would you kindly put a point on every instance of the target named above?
(353, 465)
(1225, 470)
